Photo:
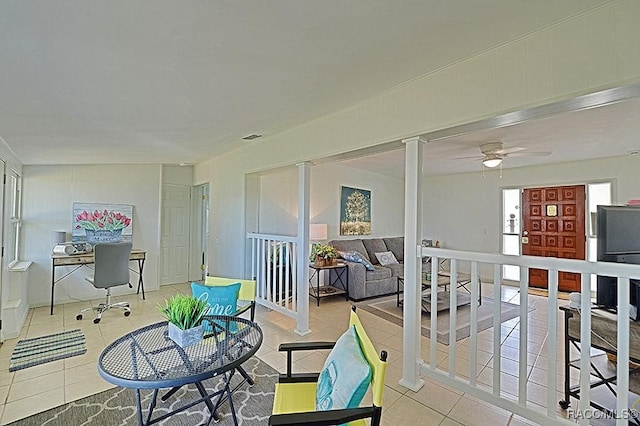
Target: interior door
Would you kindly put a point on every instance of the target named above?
(553, 226)
(174, 240)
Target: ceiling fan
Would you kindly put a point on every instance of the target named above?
(494, 152)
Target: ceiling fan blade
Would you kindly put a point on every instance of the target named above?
(510, 150)
(529, 154)
(474, 157)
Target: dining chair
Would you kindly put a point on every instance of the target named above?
(333, 396)
(111, 269)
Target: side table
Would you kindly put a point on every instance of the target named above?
(341, 276)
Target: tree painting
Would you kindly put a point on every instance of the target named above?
(355, 211)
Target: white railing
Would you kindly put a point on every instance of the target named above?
(274, 267)
(494, 394)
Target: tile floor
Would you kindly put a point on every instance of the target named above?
(39, 388)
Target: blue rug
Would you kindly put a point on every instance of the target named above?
(45, 349)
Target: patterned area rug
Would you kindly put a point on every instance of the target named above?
(387, 308)
(40, 350)
(117, 406)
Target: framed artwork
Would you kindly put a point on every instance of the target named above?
(355, 211)
(95, 223)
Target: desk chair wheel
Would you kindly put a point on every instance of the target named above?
(127, 313)
(79, 317)
(96, 320)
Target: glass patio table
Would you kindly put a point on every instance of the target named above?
(148, 359)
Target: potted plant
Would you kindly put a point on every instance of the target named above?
(323, 254)
(184, 314)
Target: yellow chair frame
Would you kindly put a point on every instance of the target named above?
(295, 394)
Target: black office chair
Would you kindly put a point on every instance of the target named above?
(111, 269)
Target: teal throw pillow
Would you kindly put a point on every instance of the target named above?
(221, 299)
(346, 375)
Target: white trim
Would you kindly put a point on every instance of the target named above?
(19, 265)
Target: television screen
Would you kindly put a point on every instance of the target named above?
(619, 229)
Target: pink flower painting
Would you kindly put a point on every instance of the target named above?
(93, 222)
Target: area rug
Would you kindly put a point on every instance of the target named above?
(387, 308)
(52, 347)
(117, 406)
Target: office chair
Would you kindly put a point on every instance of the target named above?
(111, 269)
(331, 397)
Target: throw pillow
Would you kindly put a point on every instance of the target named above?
(346, 375)
(222, 299)
(386, 258)
(354, 256)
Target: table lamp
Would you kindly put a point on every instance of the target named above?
(317, 231)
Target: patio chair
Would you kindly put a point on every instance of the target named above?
(334, 395)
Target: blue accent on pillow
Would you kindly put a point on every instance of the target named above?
(354, 256)
(346, 375)
(222, 300)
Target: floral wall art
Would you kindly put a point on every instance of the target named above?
(95, 223)
(355, 211)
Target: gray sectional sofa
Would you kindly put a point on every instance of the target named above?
(382, 280)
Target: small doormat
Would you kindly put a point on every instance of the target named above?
(544, 292)
(45, 349)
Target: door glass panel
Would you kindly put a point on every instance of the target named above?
(511, 230)
(511, 211)
(599, 194)
(511, 245)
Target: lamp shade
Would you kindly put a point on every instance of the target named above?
(317, 231)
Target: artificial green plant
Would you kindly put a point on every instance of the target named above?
(184, 311)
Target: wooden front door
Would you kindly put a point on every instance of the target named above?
(553, 226)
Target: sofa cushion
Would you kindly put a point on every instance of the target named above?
(350, 245)
(396, 270)
(378, 273)
(396, 246)
(373, 246)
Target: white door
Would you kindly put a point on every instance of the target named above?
(174, 240)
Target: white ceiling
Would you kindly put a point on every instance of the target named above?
(165, 81)
(608, 131)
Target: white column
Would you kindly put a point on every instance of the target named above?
(414, 148)
(302, 276)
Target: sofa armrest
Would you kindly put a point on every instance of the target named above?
(357, 272)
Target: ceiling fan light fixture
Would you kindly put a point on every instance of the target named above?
(492, 161)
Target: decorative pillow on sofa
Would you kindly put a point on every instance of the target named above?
(346, 375)
(386, 258)
(354, 256)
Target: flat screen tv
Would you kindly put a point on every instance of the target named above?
(618, 233)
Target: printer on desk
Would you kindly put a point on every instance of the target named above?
(70, 249)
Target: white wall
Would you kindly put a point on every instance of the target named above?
(279, 200)
(48, 195)
(594, 51)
